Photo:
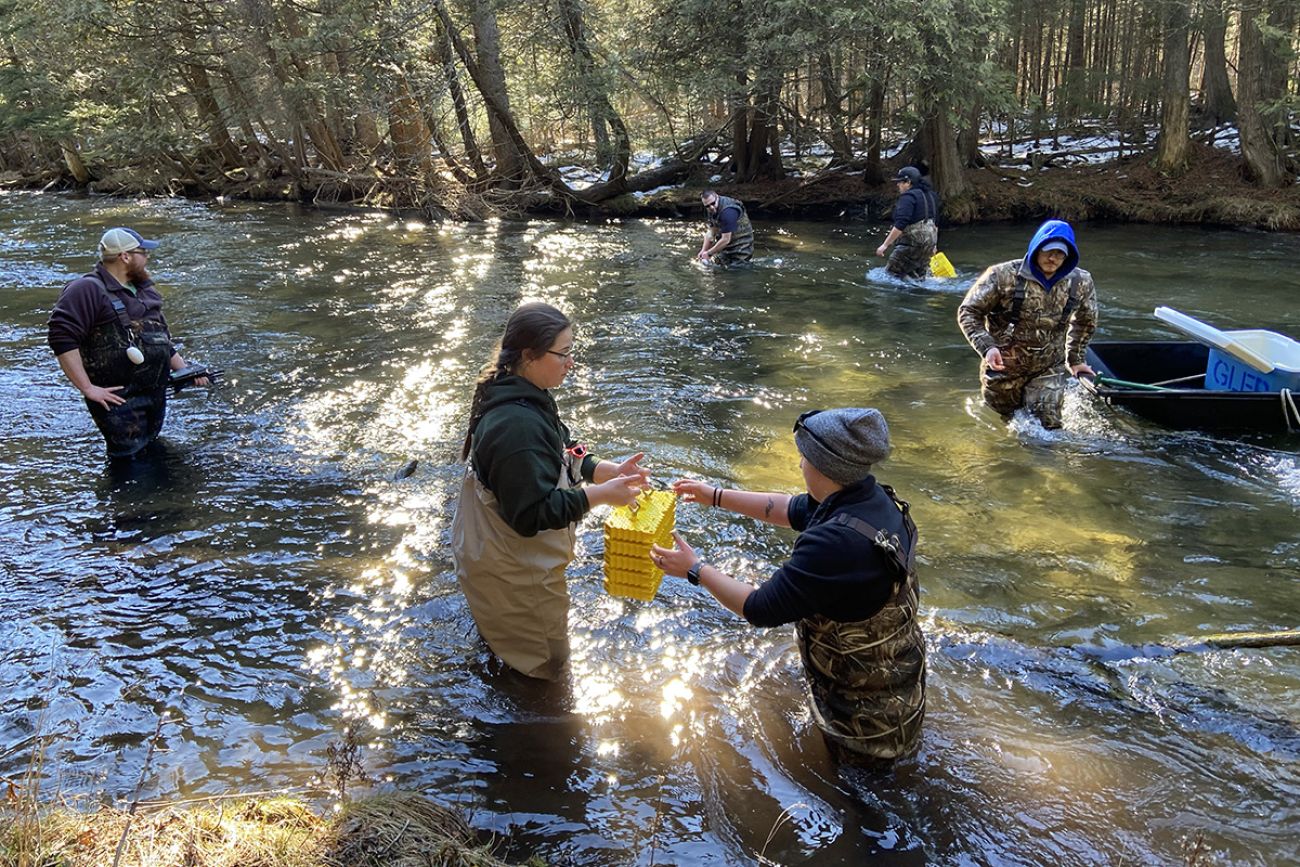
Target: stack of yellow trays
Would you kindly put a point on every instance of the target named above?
(629, 533)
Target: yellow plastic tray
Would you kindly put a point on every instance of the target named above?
(629, 533)
(941, 267)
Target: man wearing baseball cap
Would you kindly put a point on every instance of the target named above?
(850, 584)
(108, 333)
(914, 234)
(1030, 320)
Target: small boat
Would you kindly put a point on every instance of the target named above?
(1164, 381)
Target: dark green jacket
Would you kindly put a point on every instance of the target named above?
(518, 454)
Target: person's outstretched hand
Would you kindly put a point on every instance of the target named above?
(632, 467)
(674, 561)
(694, 491)
(618, 491)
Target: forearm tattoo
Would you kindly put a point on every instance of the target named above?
(771, 504)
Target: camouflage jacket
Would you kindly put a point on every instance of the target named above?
(1053, 327)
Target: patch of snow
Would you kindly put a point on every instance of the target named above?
(1226, 137)
(580, 177)
(643, 160)
(665, 188)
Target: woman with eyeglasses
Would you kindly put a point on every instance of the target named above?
(849, 586)
(522, 496)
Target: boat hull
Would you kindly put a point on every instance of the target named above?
(1188, 405)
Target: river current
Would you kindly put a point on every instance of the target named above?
(266, 583)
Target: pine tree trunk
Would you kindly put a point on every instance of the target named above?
(492, 82)
(833, 105)
(528, 160)
(1258, 150)
(874, 173)
(1277, 55)
(409, 133)
(604, 118)
(939, 144)
(1174, 146)
(968, 138)
(1217, 102)
(467, 139)
(210, 115)
(764, 148)
(1072, 91)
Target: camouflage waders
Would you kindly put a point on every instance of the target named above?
(866, 679)
(741, 248)
(912, 253)
(1040, 333)
(131, 426)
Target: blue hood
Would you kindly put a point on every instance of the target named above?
(1052, 230)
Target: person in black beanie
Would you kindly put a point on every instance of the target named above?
(850, 583)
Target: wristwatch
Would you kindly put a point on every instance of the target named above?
(693, 573)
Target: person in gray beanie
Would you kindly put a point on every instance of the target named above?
(843, 444)
(849, 585)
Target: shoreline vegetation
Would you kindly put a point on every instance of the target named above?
(323, 826)
(1126, 110)
(1127, 190)
(383, 830)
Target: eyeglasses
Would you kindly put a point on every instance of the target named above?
(799, 423)
(567, 356)
(143, 252)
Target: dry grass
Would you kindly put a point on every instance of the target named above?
(390, 830)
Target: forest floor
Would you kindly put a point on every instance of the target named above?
(1212, 192)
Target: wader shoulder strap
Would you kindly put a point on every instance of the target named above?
(118, 307)
(1017, 302)
(1070, 304)
(909, 526)
(889, 543)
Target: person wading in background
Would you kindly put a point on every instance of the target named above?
(728, 234)
(108, 333)
(914, 235)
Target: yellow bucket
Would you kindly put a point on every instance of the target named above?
(941, 267)
(629, 533)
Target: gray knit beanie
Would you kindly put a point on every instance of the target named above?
(842, 444)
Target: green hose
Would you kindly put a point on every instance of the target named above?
(1124, 383)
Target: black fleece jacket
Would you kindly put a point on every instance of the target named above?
(833, 570)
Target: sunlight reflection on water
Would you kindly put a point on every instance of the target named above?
(273, 556)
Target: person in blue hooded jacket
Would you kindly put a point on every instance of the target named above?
(1030, 320)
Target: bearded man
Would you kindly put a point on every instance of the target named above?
(111, 340)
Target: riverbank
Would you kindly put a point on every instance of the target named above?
(1212, 192)
(391, 830)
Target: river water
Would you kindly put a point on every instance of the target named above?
(266, 582)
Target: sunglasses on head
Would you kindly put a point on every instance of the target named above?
(799, 423)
